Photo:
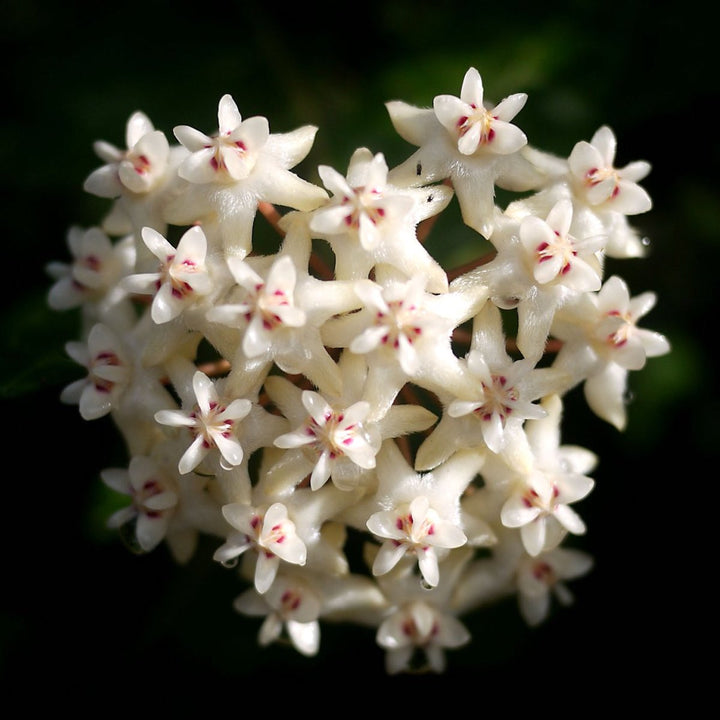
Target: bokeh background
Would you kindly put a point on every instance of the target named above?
(78, 610)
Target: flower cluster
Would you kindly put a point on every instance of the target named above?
(285, 408)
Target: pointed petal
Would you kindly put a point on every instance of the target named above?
(388, 557)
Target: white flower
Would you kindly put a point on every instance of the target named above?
(416, 514)
(97, 267)
(504, 402)
(499, 397)
(154, 499)
(109, 373)
(181, 278)
(404, 332)
(422, 622)
(539, 267)
(600, 183)
(541, 578)
(555, 255)
(474, 127)
(213, 424)
(420, 625)
(618, 334)
(476, 148)
(138, 169)
(280, 312)
(230, 172)
(602, 342)
(265, 305)
(230, 154)
(291, 604)
(369, 222)
(539, 501)
(332, 434)
(270, 532)
(418, 529)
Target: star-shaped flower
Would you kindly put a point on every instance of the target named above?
(416, 515)
(270, 532)
(542, 578)
(154, 499)
(555, 256)
(230, 172)
(540, 265)
(600, 183)
(182, 277)
(331, 436)
(109, 372)
(291, 605)
(539, 502)
(404, 332)
(94, 274)
(475, 147)
(492, 408)
(422, 623)
(138, 169)
(369, 222)
(475, 128)
(280, 311)
(212, 423)
(602, 342)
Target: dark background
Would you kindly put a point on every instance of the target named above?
(79, 611)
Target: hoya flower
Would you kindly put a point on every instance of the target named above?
(182, 276)
(265, 305)
(231, 171)
(404, 332)
(417, 529)
(369, 222)
(602, 342)
(280, 311)
(331, 436)
(228, 155)
(138, 169)
(153, 496)
(500, 395)
(603, 186)
(618, 334)
(422, 623)
(96, 269)
(540, 508)
(542, 578)
(540, 265)
(416, 515)
(539, 503)
(473, 126)
(269, 532)
(108, 373)
(291, 608)
(555, 256)
(420, 626)
(474, 146)
(212, 424)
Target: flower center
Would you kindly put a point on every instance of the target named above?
(562, 247)
(500, 399)
(363, 202)
(479, 116)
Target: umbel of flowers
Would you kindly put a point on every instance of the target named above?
(382, 398)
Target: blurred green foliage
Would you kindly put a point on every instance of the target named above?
(74, 73)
